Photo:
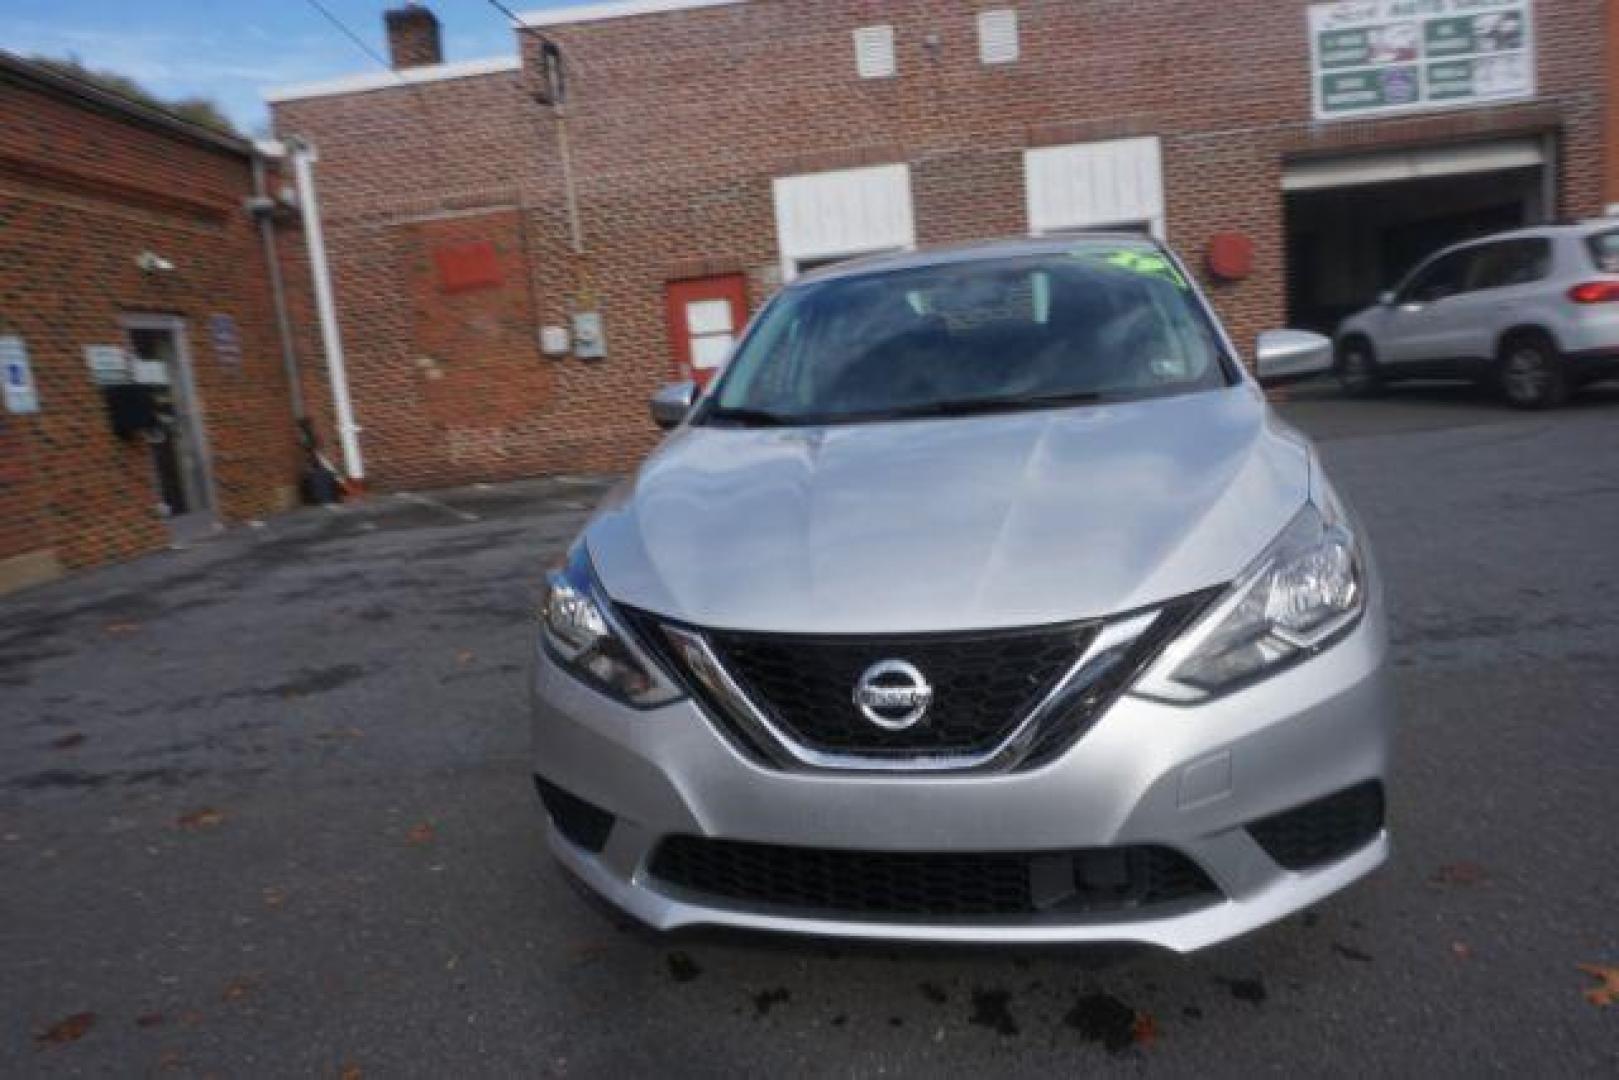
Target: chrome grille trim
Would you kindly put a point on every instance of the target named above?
(1113, 644)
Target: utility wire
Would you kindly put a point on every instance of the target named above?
(343, 28)
(434, 143)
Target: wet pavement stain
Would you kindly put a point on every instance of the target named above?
(1349, 952)
(765, 1000)
(992, 1009)
(314, 681)
(934, 993)
(682, 968)
(1103, 1018)
(1192, 1012)
(1250, 990)
(59, 778)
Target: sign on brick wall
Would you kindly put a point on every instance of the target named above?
(227, 340)
(21, 396)
(1375, 57)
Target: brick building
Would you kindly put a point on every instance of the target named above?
(708, 149)
(133, 294)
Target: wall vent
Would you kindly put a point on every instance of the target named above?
(874, 52)
(997, 36)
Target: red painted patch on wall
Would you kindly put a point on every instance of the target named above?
(464, 267)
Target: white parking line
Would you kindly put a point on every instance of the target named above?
(423, 500)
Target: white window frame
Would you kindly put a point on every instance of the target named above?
(879, 196)
(1061, 186)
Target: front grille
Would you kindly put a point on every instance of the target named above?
(1322, 831)
(929, 885)
(984, 684)
(584, 824)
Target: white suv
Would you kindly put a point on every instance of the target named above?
(1534, 312)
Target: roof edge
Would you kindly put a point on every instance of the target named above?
(17, 69)
(383, 80)
(615, 9)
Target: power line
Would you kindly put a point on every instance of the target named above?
(343, 28)
(433, 144)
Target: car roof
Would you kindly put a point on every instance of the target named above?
(1574, 229)
(982, 251)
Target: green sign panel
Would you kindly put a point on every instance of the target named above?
(1378, 56)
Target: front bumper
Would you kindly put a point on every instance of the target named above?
(1190, 779)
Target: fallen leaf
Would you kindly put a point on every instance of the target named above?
(206, 818)
(1462, 950)
(1144, 1029)
(1460, 873)
(149, 1020)
(465, 657)
(192, 1017)
(119, 629)
(169, 1060)
(274, 896)
(1606, 994)
(349, 1071)
(69, 741)
(69, 1029)
(238, 988)
(420, 834)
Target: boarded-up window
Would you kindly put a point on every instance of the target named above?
(1116, 184)
(823, 217)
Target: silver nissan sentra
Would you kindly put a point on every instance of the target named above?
(982, 598)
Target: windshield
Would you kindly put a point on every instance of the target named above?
(1102, 321)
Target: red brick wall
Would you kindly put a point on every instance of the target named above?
(82, 193)
(679, 122)
(1611, 142)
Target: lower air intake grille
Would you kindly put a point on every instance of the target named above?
(930, 885)
(1323, 831)
(586, 826)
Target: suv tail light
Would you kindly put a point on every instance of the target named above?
(1595, 292)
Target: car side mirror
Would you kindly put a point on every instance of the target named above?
(1386, 298)
(1288, 355)
(671, 404)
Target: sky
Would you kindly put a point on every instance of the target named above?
(232, 50)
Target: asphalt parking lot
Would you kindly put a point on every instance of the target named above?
(265, 810)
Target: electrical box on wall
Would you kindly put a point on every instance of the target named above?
(589, 342)
(554, 340)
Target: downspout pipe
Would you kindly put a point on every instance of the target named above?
(348, 432)
(263, 209)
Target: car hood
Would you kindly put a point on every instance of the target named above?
(968, 523)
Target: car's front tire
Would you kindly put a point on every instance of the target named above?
(1357, 368)
(1531, 372)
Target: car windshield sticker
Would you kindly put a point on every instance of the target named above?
(1148, 263)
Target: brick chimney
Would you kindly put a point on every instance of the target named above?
(413, 37)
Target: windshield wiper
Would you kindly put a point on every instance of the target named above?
(749, 417)
(973, 406)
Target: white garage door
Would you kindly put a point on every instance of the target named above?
(1117, 184)
(823, 217)
(1415, 164)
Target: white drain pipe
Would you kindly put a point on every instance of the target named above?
(348, 433)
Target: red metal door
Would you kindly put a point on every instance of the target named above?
(706, 316)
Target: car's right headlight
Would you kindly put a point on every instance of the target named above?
(1302, 594)
(580, 633)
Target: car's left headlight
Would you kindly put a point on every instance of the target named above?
(1304, 592)
(580, 633)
